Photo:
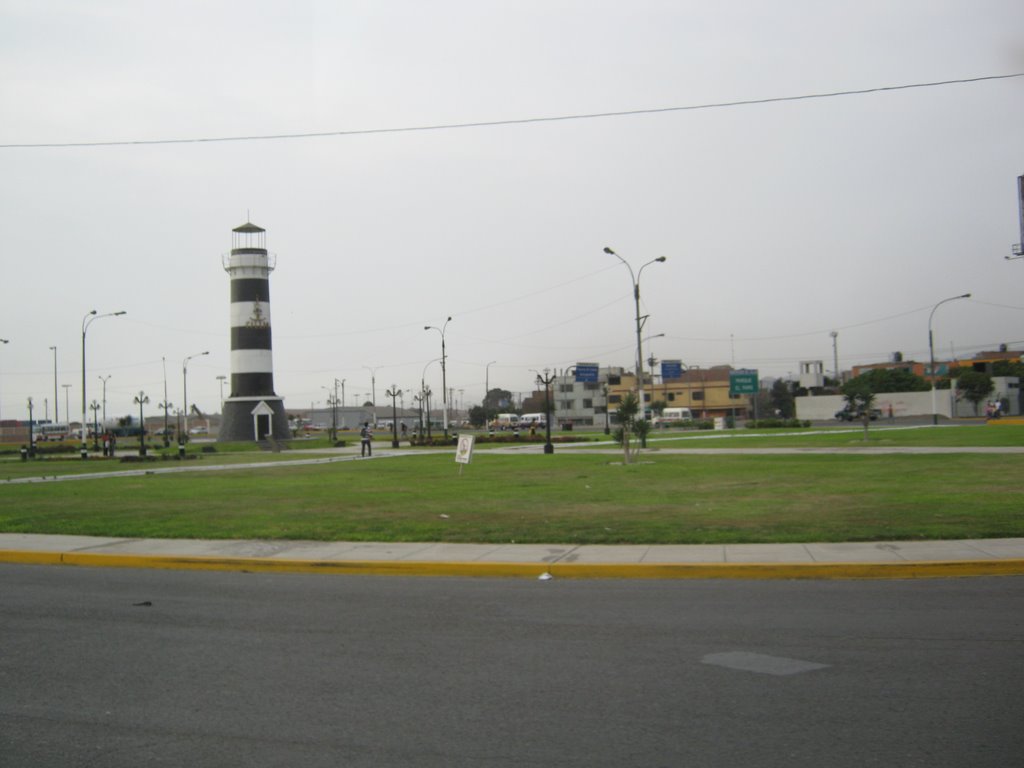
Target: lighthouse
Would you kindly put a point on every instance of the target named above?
(253, 411)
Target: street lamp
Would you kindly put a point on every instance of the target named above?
(931, 352)
(546, 380)
(607, 423)
(635, 279)
(222, 378)
(332, 400)
(141, 399)
(4, 341)
(184, 387)
(56, 415)
(373, 386)
(425, 394)
(89, 319)
(67, 408)
(393, 393)
(95, 407)
(444, 379)
(104, 380)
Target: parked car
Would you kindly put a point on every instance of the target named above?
(856, 414)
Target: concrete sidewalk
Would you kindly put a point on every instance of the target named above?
(897, 559)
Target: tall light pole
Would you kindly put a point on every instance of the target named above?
(141, 399)
(546, 380)
(393, 393)
(444, 380)
(835, 355)
(487, 380)
(56, 415)
(635, 279)
(4, 341)
(931, 352)
(222, 378)
(373, 384)
(88, 320)
(67, 406)
(184, 386)
(104, 380)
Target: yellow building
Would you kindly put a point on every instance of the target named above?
(704, 391)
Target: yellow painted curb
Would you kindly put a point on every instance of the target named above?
(899, 570)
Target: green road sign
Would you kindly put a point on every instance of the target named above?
(743, 382)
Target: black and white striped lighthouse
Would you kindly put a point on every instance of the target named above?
(253, 411)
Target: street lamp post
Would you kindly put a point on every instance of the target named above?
(546, 380)
(95, 407)
(931, 352)
(184, 389)
(640, 320)
(56, 414)
(373, 385)
(104, 380)
(141, 399)
(67, 407)
(89, 319)
(444, 380)
(607, 423)
(393, 393)
(4, 341)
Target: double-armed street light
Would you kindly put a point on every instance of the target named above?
(90, 317)
(640, 320)
(444, 380)
(546, 380)
(95, 408)
(141, 399)
(394, 393)
(931, 352)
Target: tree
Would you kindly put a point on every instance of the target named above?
(859, 399)
(882, 380)
(974, 386)
(627, 412)
(782, 399)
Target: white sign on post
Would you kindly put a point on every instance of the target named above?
(464, 450)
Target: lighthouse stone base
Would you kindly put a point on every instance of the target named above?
(253, 419)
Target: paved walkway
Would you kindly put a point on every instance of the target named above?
(898, 559)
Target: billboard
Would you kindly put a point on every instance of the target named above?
(587, 372)
(671, 369)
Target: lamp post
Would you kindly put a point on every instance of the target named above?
(31, 437)
(89, 319)
(393, 393)
(4, 341)
(635, 279)
(835, 355)
(56, 415)
(332, 400)
(222, 378)
(607, 423)
(67, 407)
(373, 385)
(931, 352)
(104, 380)
(141, 399)
(444, 380)
(95, 407)
(425, 394)
(546, 380)
(184, 389)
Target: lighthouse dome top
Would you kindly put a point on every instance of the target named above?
(248, 238)
(248, 228)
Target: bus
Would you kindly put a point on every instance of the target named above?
(51, 431)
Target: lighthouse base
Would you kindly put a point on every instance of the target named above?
(253, 419)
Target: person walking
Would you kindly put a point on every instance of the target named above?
(365, 437)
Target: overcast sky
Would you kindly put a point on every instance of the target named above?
(780, 222)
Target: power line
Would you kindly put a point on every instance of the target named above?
(514, 121)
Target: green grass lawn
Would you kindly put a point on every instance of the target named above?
(564, 498)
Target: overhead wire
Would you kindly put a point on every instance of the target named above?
(512, 121)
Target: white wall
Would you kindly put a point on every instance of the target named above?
(903, 404)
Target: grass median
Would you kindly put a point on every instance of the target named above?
(564, 498)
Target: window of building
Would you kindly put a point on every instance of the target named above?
(614, 398)
(615, 380)
(566, 405)
(698, 394)
(565, 387)
(588, 402)
(671, 396)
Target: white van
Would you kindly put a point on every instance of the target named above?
(669, 415)
(528, 420)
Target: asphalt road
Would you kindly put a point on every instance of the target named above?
(107, 667)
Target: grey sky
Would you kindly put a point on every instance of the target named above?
(780, 222)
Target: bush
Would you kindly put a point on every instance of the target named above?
(777, 424)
